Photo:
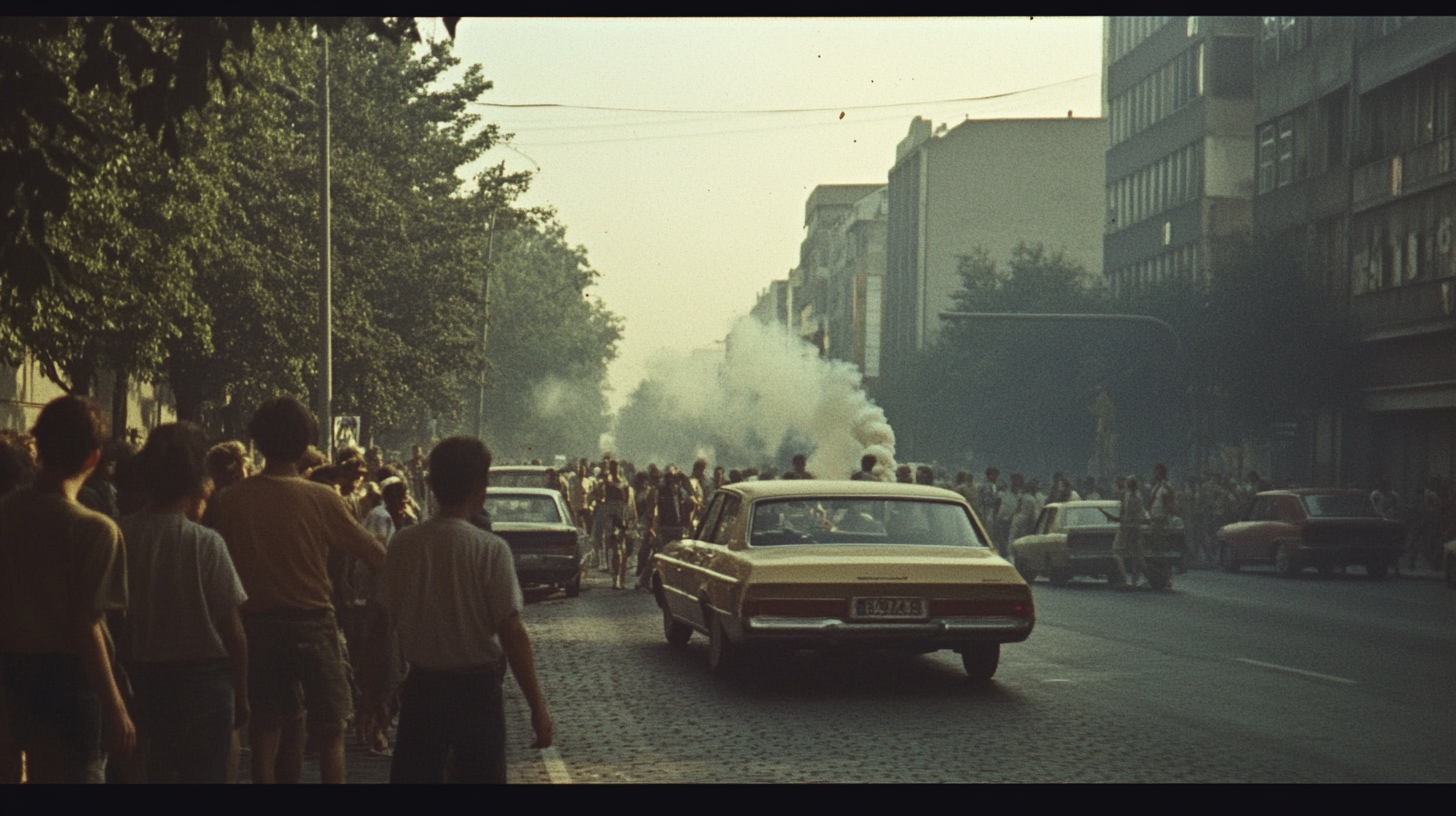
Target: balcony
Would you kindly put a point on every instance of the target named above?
(1419, 307)
(1418, 169)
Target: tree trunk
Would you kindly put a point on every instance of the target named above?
(118, 405)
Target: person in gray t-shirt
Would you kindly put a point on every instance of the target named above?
(449, 588)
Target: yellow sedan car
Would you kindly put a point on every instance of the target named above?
(809, 564)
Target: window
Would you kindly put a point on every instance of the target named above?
(1159, 95)
(1266, 158)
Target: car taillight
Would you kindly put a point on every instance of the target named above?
(977, 608)
(795, 607)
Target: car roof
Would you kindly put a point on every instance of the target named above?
(1087, 503)
(790, 488)
(495, 492)
(1313, 491)
(537, 468)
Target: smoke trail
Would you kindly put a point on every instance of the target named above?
(767, 389)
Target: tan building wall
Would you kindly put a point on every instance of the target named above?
(996, 183)
(25, 390)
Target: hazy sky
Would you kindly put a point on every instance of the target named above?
(688, 216)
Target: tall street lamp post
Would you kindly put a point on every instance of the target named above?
(326, 274)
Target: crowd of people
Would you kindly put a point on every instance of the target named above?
(156, 605)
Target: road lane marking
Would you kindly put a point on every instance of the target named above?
(555, 768)
(1347, 681)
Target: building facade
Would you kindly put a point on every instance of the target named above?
(988, 184)
(820, 286)
(25, 390)
(1179, 182)
(1355, 164)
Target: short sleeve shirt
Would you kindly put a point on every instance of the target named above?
(448, 585)
(57, 559)
(181, 579)
(279, 530)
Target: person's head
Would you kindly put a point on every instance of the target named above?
(324, 474)
(174, 464)
(903, 474)
(69, 435)
(1033, 486)
(735, 476)
(639, 481)
(283, 428)
(312, 461)
(416, 453)
(992, 474)
(17, 462)
(1160, 472)
(718, 474)
(1017, 482)
(614, 470)
(925, 475)
(459, 470)
(228, 463)
(800, 461)
(396, 494)
(700, 467)
(867, 462)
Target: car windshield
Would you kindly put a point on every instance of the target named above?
(522, 509)
(1352, 505)
(861, 521)
(1086, 517)
(518, 478)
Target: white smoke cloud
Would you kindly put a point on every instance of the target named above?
(740, 405)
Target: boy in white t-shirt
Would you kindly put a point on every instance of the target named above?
(450, 591)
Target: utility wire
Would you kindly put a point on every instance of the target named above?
(558, 105)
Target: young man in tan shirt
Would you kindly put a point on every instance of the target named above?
(279, 529)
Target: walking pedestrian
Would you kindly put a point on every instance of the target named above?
(280, 530)
(1127, 548)
(188, 654)
(450, 590)
(62, 568)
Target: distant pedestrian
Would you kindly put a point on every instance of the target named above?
(866, 472)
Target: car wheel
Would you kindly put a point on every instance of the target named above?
(981, 660)
(1226, 559)
(1060, 576)
(1027, 573)
(1285, 561)
(725, 658)
(676, 632)
(573, 587)
(1158, 576)
(1450, 573)
(1375, 571)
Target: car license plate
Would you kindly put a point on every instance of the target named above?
(891, 608)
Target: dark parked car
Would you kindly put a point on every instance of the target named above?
(1075, 538)
(1325, 529)
(548, 549)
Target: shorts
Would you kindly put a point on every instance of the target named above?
(185, 710)
(296, 663)
(52, 703)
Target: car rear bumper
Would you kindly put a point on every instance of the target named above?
(941, 633)
(533, 568)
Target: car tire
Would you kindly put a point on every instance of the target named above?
(980, 661)
(1027, 573)
(1159, 577)
(676, 632)
(1286, 561)
(573, 587)
(1060, 576)
(1376, 571)
(1226, 559)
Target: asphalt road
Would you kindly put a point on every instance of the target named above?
(1225, 678)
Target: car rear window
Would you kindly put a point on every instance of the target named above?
(1087, 517)
(861, 521)
(1354, 505)
(518, 478)
(522, 509)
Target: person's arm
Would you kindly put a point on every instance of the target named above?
(96, 660)
(517, 645)
(230, 629)
(346, 534)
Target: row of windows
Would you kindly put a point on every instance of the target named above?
(1172, 180)
(1160, 94)
(1180, 263)
(1124, 33)
(1412, 111)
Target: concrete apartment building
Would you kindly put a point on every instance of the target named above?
(1179, 173)
(1355, 123)
(988, 183)
(820, 294)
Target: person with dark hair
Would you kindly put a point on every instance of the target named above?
(188, 653)
(449, 589)
(866, 472)
(800, 468)
(279, 529)
(62, 568)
